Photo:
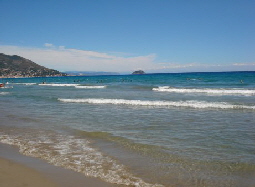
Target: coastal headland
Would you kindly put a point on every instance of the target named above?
(16, 67)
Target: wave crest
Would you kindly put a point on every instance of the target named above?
(189, 104)
(90, 87)
(4, 93)
(206, 91)
(27, 84)
(75, 154)
(59, 84)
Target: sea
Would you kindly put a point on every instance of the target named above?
(151, 130)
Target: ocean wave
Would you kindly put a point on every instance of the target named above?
(244, 92)
(75, 154)
(90, 87)
(6, 87)
(4, 93)
(189, 104)
(27, 84)
(73, 85)
(59, 84)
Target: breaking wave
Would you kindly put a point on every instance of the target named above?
(6, 87)
(27, 84)
(74, 85)
(189, 104)
(210, 91)
(59, 84)
(76, 154)
(90, 87)
(4, 93)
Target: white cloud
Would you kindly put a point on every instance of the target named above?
(48, 45)
(244, 64)
(167, 66)
(65, 59)
(61, 47)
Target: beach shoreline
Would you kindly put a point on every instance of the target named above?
(13, 174)
(20, 170)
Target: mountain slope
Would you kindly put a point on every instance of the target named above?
(16, 66)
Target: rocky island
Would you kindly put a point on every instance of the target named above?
(16, 66)
(139, 72)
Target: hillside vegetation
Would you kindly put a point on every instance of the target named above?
(16, 66)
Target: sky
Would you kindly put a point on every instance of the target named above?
(157, 36)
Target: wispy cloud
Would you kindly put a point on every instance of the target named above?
(244, 64)
(48, 45)
(64, 59)
(202, 67)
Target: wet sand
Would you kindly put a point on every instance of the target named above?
(17, 170)
(13, 175)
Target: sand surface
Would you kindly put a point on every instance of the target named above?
(16, 175)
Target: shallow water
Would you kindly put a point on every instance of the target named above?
(190, 129)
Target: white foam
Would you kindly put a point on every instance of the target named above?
(90, 87)
(74, 85)
(59, 84)
(4, 93)
(207, 91)
(6, 87)
(189, 104)
(73, 153)
(27, 84)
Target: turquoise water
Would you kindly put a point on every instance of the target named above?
(187, 129)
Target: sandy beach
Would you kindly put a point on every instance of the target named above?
(17, 170)
(13, 175)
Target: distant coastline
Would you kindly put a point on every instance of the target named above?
(20, 67)
(98, 74)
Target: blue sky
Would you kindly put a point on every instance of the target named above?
(127, 35)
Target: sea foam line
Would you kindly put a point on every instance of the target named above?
(4, 93)
(189, 104)
(206, 90)
(6, 87)
(59, 84)
(74, 85)
(90, 87)
(27, 84)
(75, 154)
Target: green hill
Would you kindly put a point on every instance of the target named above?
(16, 66)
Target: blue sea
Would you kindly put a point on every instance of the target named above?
(182, 129)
